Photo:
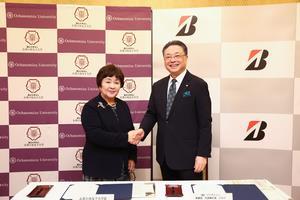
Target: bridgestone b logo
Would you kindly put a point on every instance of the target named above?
(187, 25)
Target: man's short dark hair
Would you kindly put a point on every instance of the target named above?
(109, 70)
(178, 43)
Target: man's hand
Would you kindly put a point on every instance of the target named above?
(135, 136)
(200, 164)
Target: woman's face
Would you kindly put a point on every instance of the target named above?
(110, 87)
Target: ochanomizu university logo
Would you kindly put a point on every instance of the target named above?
(62, 135)
(13, 160)
(61, 88)
(60, 40)
(109, 18)
(10, 15)
(129, 85)
(81, 14)
(82, 61)
(11, 64)
(78, 155)
(12, 112)
(129, 39)
(32, 37)
(79, 108)
(33, 85)
(33, 178)
(33, 133)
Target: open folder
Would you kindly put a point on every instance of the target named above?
(244, 191)
(120, 191)
(124, 191)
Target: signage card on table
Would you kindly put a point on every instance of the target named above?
(211, 196)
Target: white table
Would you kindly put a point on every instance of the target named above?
(59, 188)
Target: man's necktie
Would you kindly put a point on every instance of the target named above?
(171, 96)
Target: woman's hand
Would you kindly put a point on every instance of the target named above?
(131, 165)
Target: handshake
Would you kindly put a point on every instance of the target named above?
(135, 136)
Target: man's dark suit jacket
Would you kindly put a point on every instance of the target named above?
(106, 148)
(187, 131)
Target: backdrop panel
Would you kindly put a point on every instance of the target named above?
(249, 56)
(49, 57)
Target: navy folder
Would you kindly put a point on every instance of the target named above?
(121, 191)
(244, 192)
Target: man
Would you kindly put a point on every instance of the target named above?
(181, 105)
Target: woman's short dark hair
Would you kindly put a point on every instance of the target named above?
(178, 43)
(109, 70)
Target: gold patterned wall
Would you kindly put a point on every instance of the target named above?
(159, 3)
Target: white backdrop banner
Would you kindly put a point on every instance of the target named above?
(249, 55)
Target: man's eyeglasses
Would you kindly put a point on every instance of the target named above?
(175, 57)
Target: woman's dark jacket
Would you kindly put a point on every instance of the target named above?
(106, 148)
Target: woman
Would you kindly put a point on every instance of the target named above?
(107, 154)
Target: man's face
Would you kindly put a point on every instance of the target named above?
(175, 60)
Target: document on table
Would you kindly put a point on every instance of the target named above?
(209, 191)
(79, 190)
(141, 190)
(207, 188)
